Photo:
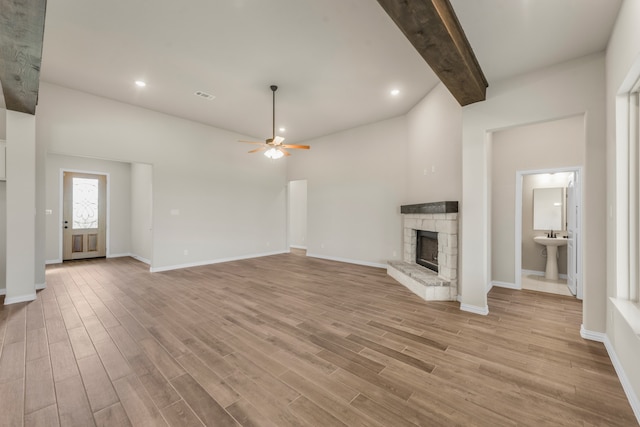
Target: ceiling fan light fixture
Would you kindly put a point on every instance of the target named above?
(273, 153)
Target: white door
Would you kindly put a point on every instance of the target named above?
(84, 216)
(573, 236)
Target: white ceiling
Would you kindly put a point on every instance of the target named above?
(335, 61)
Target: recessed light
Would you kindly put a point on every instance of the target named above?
(395, 92)
(140, 83)
(282, 129)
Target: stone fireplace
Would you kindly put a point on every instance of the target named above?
(431, 272)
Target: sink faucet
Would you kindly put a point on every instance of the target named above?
(551, 234)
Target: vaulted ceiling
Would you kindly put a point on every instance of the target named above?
(335, 61)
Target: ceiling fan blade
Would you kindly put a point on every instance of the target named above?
(278, 140)
(258, 149)
(250, 142)
(285, 152)
(303, 147)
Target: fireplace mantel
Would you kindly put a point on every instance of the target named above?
(430, 208)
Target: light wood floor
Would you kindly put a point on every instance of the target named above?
(292, 341)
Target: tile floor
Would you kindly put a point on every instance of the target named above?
(539, 283)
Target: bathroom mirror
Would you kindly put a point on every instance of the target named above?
(548, 209)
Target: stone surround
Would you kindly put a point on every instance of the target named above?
(441, 217)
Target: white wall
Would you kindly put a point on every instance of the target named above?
(434, 165)
(623, 54)
(358, 179)
(3, 237)
(568, 89)
(211, 200)
(355, 186)
(3, 123)
(3, 213)
(21, 208)
(119, 202)
(547, 145)
(142, 212)
(298, 214)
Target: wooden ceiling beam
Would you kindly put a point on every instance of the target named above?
(434, 30)
(21, 36)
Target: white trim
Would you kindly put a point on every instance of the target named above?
(53, 261)
(591, 335)
(41, 286)
(22, 298)
(505, 285)
(632, 397)
(489, 287)
(141, 259)
(348, 261)
(215, 261)
(120, 255)
(474, 309)
(3, 291)
(297, 247)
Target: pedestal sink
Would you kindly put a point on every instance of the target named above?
(552, 243)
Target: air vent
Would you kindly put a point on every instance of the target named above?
(205, 95)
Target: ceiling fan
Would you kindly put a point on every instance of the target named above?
(273, 147)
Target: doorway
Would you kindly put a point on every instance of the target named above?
(532, 264)
(84, 215)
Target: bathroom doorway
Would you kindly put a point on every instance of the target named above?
(548, 231)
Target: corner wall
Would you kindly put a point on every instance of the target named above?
(434, 168)
(119, 202)
(359, 178)
(623, 330)
(211, 200)
(553, 144)
(568, 89)
(355, 186)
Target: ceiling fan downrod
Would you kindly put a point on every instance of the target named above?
(274, 88)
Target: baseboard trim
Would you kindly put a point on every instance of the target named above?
(120, 255)
(348, 261)
(141, 259)
(3, 291)
(41, 286)
(632, 397)
(21, 298)
(505, 285)
(591, 335)
(215, 261)
(297, 247)
(53, 261)
(474, 309)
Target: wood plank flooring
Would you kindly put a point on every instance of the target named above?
(288, 340)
